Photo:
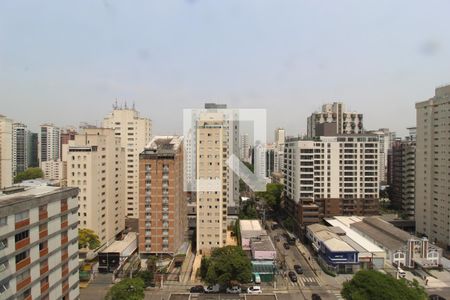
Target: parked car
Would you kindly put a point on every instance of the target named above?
(254, 290)
(292, 276)
(212, 289)
(275, 226)
(298, 269)
(286, 246)
(197, 289)
(316, 297)
(234, 290)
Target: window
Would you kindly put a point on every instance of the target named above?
(43, 245)
(22, 256)
(42, 227)
(22, 216)
(3, 221)
(23, 276)
(22, 235)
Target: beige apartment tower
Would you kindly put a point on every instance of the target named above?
(432, 167)
(135, 133)
(162, 201)
(5, 152)
(212, 181)
(95, 164)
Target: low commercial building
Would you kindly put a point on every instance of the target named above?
(39, 243)
(113, 257)
(402, 248)
(259, 247)
(333, 253)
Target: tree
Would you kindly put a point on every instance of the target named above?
(146, 276)
(289, 224)
(374, 285)
(227, 264)
(248, 211)
(30, 173)
(88, 239)
(272, 195)
(127, 289)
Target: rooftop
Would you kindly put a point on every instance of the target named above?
(263, 243)
(337, 245)
(119, 246)
(250, 225)
(18, 194)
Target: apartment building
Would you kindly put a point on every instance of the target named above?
(39, 243)
(212, 180)
(67, 134)
(33, 150)
(19, 148)
(95, 164)
(432, 167)
(135, 133)
(50, 143)
(403, 157)
(386, 138)
(339, 173)
(334, 120)
(55, 170)
(270, 157)
(6, 176)
(280, 137)
(259, 160)
(244, 148)
(162, 200)
(230, 125)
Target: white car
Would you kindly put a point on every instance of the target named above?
(254, 290)
(234, 290)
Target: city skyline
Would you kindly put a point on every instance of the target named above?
(169, 56)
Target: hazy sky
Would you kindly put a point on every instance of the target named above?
(67, 61)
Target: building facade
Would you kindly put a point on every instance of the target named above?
(403, 157)
(39, 243)
(33, 150)
(432, 167)
(19, 148)
(244, 148)
(340, 174)
(259, 160)
(135, 133)
(95, 164)
(55, 170)
(334, 120)
(386, 138)
(6, 176)
(212, 189)
(50, 143)
(280, 137)
(162, 200)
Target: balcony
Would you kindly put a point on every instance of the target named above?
(64, 224)
(44, 270)
(64, 207)
(43, 252)
(22, 223)
(43, 234)
(64, 256)
(22, 243)
(64, 272)
(64, 240)
(22, 264)
(20, 285)
(44, 287)
(43, 215)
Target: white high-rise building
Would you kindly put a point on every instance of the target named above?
(95, 164)
(334, 120)
(244, 148)
(50, 143)
(6, 175)
(135, 133)
(339, 170)
(19, 148)
(432, 167)
(259, 160)
(280, 137)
